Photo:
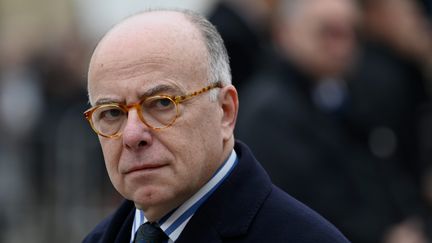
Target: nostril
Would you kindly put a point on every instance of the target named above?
(142, 144)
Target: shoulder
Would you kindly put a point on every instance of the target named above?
(272, 94)
(265, 213)
(292, 221)
(264, 86)
(97, 233)
(115, 226)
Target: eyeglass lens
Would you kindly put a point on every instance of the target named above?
(157, 112)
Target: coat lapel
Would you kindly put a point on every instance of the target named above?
(233, 206)
(119, 229)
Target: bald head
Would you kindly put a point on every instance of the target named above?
(180, 35)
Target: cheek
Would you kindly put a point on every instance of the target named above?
(195, 137)
(111, 149)
(195, 141)
(188, 146)
(203, 140)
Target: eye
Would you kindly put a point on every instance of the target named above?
(158, 104)
(164, 102)
(110, 113)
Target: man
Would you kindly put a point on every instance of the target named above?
(164, 109)
(300, 106)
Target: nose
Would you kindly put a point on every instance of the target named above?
(136, 134)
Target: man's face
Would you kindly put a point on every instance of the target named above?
(321, 36)
(165, 54)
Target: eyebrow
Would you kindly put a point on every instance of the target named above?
(162, 88)
(105, 101)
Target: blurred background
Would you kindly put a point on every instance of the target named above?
(335, 103)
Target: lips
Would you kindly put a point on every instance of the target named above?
(146, 167)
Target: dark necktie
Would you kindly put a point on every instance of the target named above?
(150, 233)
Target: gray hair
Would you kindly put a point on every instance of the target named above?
(218, 59)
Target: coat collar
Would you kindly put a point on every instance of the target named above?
(230, 211)
(120, 227)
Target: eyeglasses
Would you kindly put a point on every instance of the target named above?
(157, 112)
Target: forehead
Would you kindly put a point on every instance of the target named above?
(150, 46)
(315, 11)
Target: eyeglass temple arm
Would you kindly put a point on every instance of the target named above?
(182, 98)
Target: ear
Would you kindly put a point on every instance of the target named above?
(228, 99)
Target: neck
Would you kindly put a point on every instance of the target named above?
(156, 212)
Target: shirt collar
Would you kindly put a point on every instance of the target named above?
(174, 222)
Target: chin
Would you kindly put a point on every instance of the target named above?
(150, 196)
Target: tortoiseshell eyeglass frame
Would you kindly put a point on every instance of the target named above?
(175, 99)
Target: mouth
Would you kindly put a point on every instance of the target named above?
(144, 168)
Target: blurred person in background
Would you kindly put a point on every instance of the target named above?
(295, 115)
(164, 109)
(245, 28)
(21, 105)
(427, 5)
(391, 83)
(391, 89)
(46, 147)
(67, 154)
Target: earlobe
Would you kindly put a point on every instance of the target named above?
(228, 99)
